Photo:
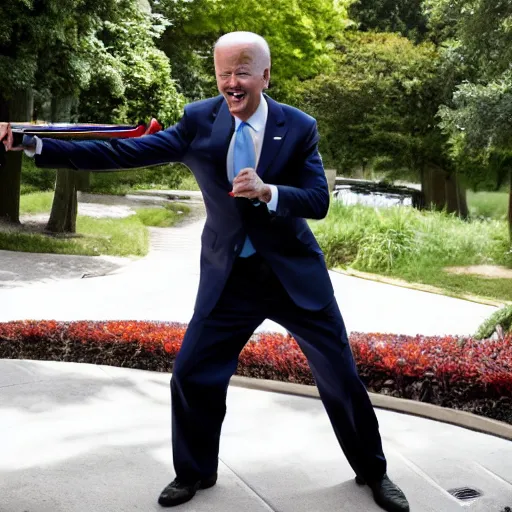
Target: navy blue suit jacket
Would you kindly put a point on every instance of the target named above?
(289, 159)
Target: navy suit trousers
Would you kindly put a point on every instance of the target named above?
(209, 356)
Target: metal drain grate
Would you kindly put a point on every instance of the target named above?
(465, 493)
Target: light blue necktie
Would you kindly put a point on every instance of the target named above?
(244, 156)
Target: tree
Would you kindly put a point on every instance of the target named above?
(29, 29)
(131, 79)
(98, 62)
(405, 17)
(300, 37)
(481, 132)
(23, 30)
(65, 202)
(18, 107)
(478, 119)
(379, 107)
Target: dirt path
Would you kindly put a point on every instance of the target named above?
(489, 271)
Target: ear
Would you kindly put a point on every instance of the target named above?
(266, 77)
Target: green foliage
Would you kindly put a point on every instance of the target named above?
(104, 48)
(188, 183)
(165, 217)
(28, 189)
(478, 118)
(168, 176)
(36, 202)
(481, 113)
(379, 104)
(482, 28)
(405, 17)
(380, 250)
(132, 80)
(299, 36)
(29, 28)
(36, 178)
(502, 318)
(488, 205)
(115, 237)
(415, 246)
(120, 183)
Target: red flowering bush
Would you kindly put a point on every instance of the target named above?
(454, 372)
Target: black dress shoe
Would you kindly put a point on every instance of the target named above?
(178, 492)
(387, 494)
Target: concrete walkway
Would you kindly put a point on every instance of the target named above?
(84, 438)
(163, 286)
(26, 269)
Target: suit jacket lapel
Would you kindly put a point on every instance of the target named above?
(275, 131)
(222, 131)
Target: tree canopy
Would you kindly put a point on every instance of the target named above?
(299, 32)
(378, 104)
(405, 17)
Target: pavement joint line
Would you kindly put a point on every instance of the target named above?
(262, 500)
(492, 474)
(22, 384)
(425, 476)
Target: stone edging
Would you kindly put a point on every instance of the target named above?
(418, 287)
(424, 410)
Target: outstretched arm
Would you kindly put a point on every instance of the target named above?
(117, 154)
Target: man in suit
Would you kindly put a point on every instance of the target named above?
(258, 167)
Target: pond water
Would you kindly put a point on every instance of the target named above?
(376, 195)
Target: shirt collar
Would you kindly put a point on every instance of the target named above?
(259, 119)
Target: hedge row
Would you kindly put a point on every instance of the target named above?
(462, 373)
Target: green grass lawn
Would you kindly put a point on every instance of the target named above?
(163, 217)
(36, 202)
(115, 237)
(488, 205)
(416, 246)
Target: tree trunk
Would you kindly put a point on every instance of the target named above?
(65, 204)
(443, 191)
(455, 195)
(65, 201)
(510, 209)
(17, 108)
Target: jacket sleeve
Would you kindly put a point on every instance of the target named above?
(166, 146)
(309, 199)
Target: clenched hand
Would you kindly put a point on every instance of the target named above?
(6, 133)
(248, 184)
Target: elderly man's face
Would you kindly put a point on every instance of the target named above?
(242, 75)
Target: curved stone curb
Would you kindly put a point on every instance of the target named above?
(424, 410)
(419, 287)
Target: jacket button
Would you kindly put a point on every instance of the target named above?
(235, 248)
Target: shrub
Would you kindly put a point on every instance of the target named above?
(33, 178)
(121, 182)
(502, 318)
(448, 371)
(394, 238)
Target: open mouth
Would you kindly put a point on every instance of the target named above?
(237, 96)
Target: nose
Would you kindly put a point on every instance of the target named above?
(232, 81)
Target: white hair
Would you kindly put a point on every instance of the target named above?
(233, 38)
